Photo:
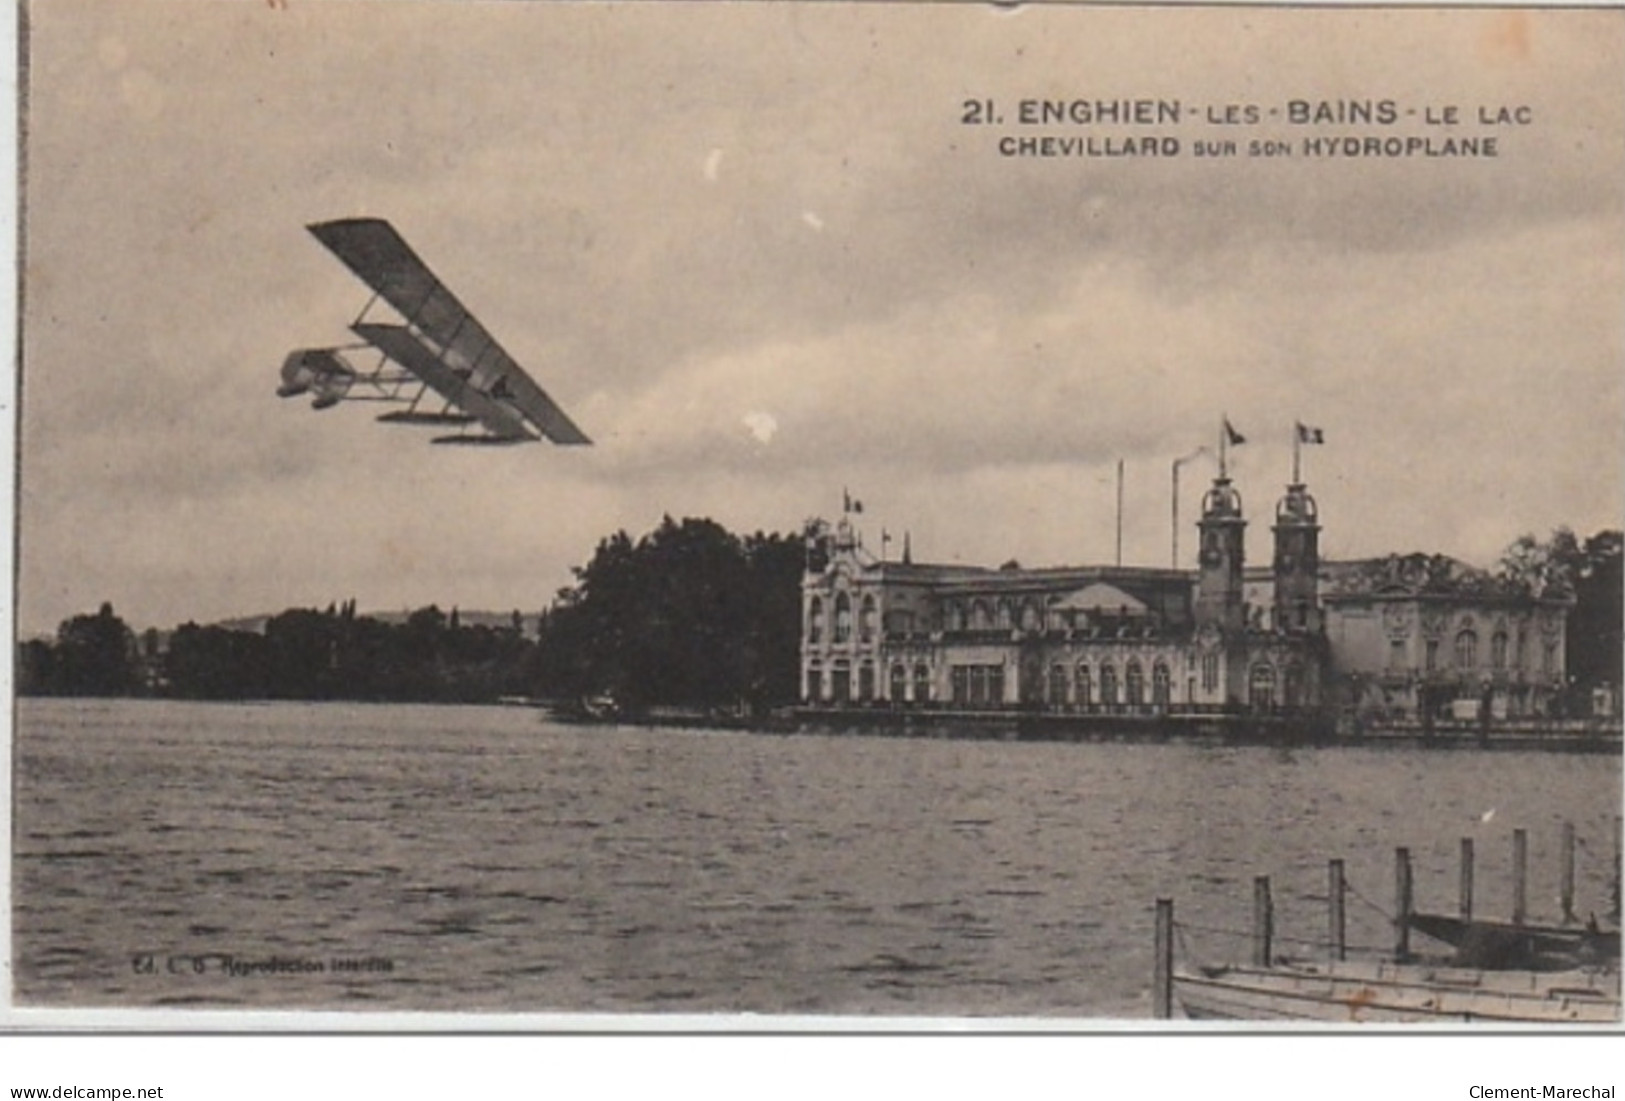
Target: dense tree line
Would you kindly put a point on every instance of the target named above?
(310, 655)
(690, 614)
(301, 654)
(1591, 571)
(92, 655)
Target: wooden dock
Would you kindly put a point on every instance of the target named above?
(1509, 972)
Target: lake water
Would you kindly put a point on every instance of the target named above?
(464, 858)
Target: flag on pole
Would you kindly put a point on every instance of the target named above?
(1232, 437)
(1310, 435)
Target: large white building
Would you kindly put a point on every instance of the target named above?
(1385, 637)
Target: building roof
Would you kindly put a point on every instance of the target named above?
(1016, 577)
(1421, 575)
(1101, 597)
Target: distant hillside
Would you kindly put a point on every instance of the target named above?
(255, 624)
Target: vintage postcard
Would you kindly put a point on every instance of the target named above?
(836, 515)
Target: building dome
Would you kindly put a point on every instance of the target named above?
(1297, 507)
(1221, 500)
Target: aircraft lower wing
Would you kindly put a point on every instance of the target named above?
(511, 383)
(500, 420)
(374, 251)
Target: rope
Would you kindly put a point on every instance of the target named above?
(1185, 952)
(1349, 886)
(1238, 934)
(1182, 925)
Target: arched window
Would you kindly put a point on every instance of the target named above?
(922, 683)
(1005, 618)
(899, 684)
(1293, 690)
(1085, 692)
(1161, 685)
(979, 618)
(1134, 683)
(1210, 672)
(1261, 686)
(1108, 683)
(1030, 618)
(956, 616)
(815, 620)
(1466, 650)
(843, 617)
(1057, 684)
(1498, 650)
(866, 618)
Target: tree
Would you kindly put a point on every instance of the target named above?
(301, 655)
(214, 663)
(689, 614)
(95, 655)
(1595, 653)
(773, 635)
(1542, 568)
(36, 668)
(1591, 572)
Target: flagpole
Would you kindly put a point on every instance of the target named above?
(1224, 439)
(1119, 512)
(1175, 525)
(1297, 444)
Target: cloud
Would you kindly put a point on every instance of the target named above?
(762, 425)
(756, 254)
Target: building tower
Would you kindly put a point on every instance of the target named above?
(1297, 562)
(1220, 559)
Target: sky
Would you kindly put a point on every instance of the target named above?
(757, 255)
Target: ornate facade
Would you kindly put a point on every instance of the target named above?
(1428, 635)
(1094, 639)
(1394, 638)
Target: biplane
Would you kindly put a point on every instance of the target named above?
(436, 362)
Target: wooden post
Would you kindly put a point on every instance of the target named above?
(1566, 888)
(1334, 895)
(1162, 980)
(1263, 921)
(1520, 876)
(1615, 900)
(1466, 879)
(1402, 904)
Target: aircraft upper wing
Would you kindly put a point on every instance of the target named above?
(383, 260)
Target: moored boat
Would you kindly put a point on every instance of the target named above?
(1501, 945)
(1380, 991)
